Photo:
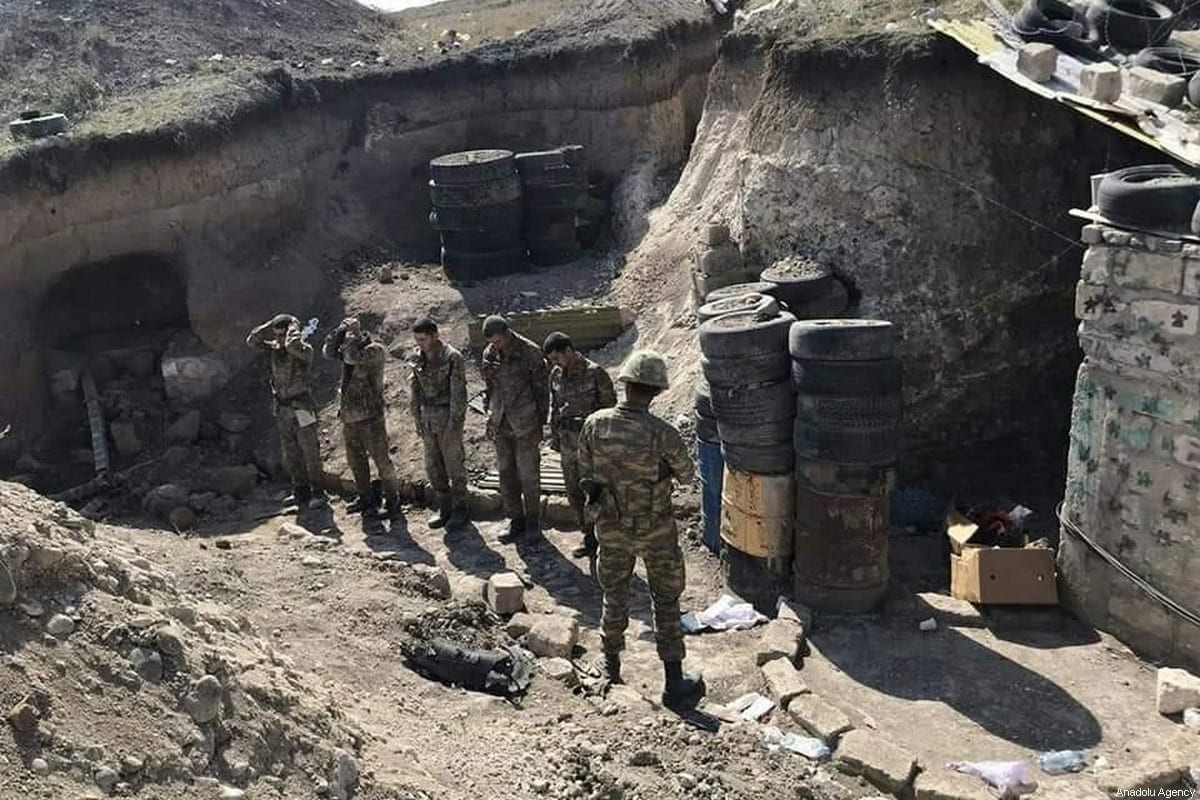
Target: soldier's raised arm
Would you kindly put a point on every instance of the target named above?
(257, 338)
(295, 345)
(332, 347)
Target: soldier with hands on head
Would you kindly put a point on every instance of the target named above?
(438, 396)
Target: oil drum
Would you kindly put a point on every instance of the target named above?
(757, 515)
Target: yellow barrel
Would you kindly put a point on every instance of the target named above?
(757, 514)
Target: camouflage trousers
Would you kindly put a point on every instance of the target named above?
(569, 452)
(445, 463)
(299, 446)
(519, 462)
(656, 541)
(367, 441)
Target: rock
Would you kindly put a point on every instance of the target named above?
(784, 681)
(519, 625)
(182, 518)
(553, 636)
(948, 611)
(201, 501)
(559, 669)
(185, 429)
(24, 717)
(106, 778)
(468, 587)
(131, 765)
(886, 765)
(793, 612)
(716, 234)
(39, 767)
(1156, 87)
(124, 436)
(1191, 718)
(1037, 61)
(8, 586)
(232, 422)
(505, 593)
(32, 608)
(1178, 689)
(343, 775)
(290, 530)
(203, 702)
(644, 758)
(818, 717)
(687, 781)
(60, 625)
(231, 793)
(945, 784)
(148, 664)
(312, 562)
(484, 504)
(1100, 82)
(434, 580)
(387, 274)
(164, 499)
(169, 641)
(234, 481)
(780, 639)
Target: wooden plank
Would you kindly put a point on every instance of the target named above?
(91, 400)
(590, 327)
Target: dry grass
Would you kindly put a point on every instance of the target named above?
(484, 20)
(845, 19)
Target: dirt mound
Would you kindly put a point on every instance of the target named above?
(114, 679)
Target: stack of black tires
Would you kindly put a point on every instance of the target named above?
(747, 369)
(477, 210)
(847, 440)
(554, 184)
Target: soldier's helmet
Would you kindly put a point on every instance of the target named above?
(645, 367)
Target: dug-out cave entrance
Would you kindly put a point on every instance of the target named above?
(107, 325)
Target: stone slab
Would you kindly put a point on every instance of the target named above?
(505, 593)
(1156, 87)
(819, 718)
(553, 636)
(783, 681)
(1177, 689)
(780, 639)
(948, 611)
(1100, 82)
(945, 784)
(885, 765)
(1037, 61)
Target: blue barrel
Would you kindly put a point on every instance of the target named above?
(712, 468)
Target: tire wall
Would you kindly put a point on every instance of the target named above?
(255, 212)
(914, 172)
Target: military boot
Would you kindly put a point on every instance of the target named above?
(459, 514)
(439, 518)
(516, 529)
(589, 547)
(612, 667)
(300, 496)
(365, 502)
(391, 505)
(681, 690)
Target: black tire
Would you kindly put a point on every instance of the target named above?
(847, 445)
(744, 334)
(763, 434)
(744, 370)
(473, 195)
(1193, 90)
(1131, 25)
(758, 404)
(846, 378)
(36, 125)
(503, 215)
(1170, 60)
(1058, 23)
(756, 303)
(555, 258)
(831, 477)
(799, 281)
(463, 266)
(733, 290)
(776, 459)
(1152, 196)
(536, 218)
(539, 160)
(558, 196)
(484, 240)
(471, 166)
(555, 176)
(855, 411)
(841, 339)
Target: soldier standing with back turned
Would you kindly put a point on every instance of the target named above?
(628, 459)
(438, 394)
(295, 412)
(360, 408)
(517, 403)
(578, 387)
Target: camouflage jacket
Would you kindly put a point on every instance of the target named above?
(361, 393)
(291, 360)
(438, 390)
(575, 392)
(517, 388)
(634, 456)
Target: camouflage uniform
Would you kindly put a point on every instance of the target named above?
(575, 392)
(360, 409)
(634, 455)
(518, 401)
(293, 407)
(438, 392)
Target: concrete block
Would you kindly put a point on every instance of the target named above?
(468, 587)
(560, 670)
(1177, 689)
(1156, 87)
(948, 611)
(783, 681)
(780, 639)
(885, 765)
(944, 784)
(553, 636)
(715, 234)
(1092, 234)
(794, 612)
(818, 717)
(519, 625)
(1100, 82)
(1037, 61)
(505, 593)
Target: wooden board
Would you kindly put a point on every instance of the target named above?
(590, 327)
(551, 479)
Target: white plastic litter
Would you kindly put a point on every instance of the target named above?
(1010, 778)
(759, 708)
(727, 614)
(806, 746)
(309, 329)
(928, 624)
(1018, 515)
(743, 702)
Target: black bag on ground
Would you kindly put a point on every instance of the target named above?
(503, 672)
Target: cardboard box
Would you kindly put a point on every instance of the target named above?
(998, 575)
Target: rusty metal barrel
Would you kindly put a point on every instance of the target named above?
(847, 438)
(757, 513)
